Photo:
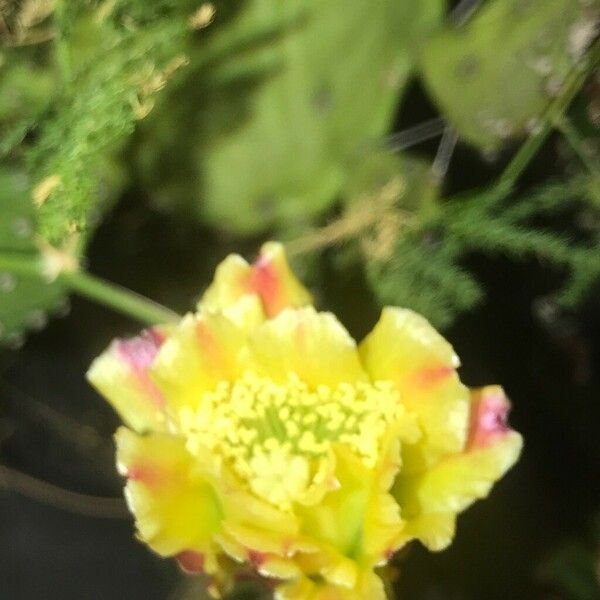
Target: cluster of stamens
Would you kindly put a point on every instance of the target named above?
(278, 436)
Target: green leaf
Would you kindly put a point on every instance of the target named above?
(494, 76)
(271, 129)
(24, 301)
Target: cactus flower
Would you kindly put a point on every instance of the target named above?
(258, 435)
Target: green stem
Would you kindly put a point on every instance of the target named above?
(529, 149)
(21, 264)
(103, 292)
(577, 144)
(119, 298)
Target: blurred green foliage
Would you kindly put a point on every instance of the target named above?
(266, 135)
(573, 569)
(67, 106)
(414, 248)
(493, 76)
(273, 118)
(25, 91)
(110, 68)
(24, 301)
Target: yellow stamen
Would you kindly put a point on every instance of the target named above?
(277, 436)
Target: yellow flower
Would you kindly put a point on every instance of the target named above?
(260, 435)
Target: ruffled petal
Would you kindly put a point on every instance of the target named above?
(267, 564)
(369, 587)
(202, 350)
(177, 511)
(337, 521)
(435, 530)
(228, 285)
(274, 281)
(355, 526)
(256, 526)
(270, 278)
(431, 498)
(383, 524)
(312, 345)
(489, 418)
(121, 375)
(404, 348)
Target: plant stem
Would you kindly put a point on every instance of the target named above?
(529, 149)
(52, 495)
(17, 263)
(119, 298)
(103, 292)
(577, 144)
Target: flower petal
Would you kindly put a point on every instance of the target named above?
(228, 285)
(384, 529)
(203, 350)
(489, 417)
(176, 509)
(121, 375)
(270, 278)
(274, 281)
(369, 586)
(404, 348)
(354, 526)
(312, 345)
(338, 520)
(257, 526)
(265, 563)
(435, 531)
(460, 479)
